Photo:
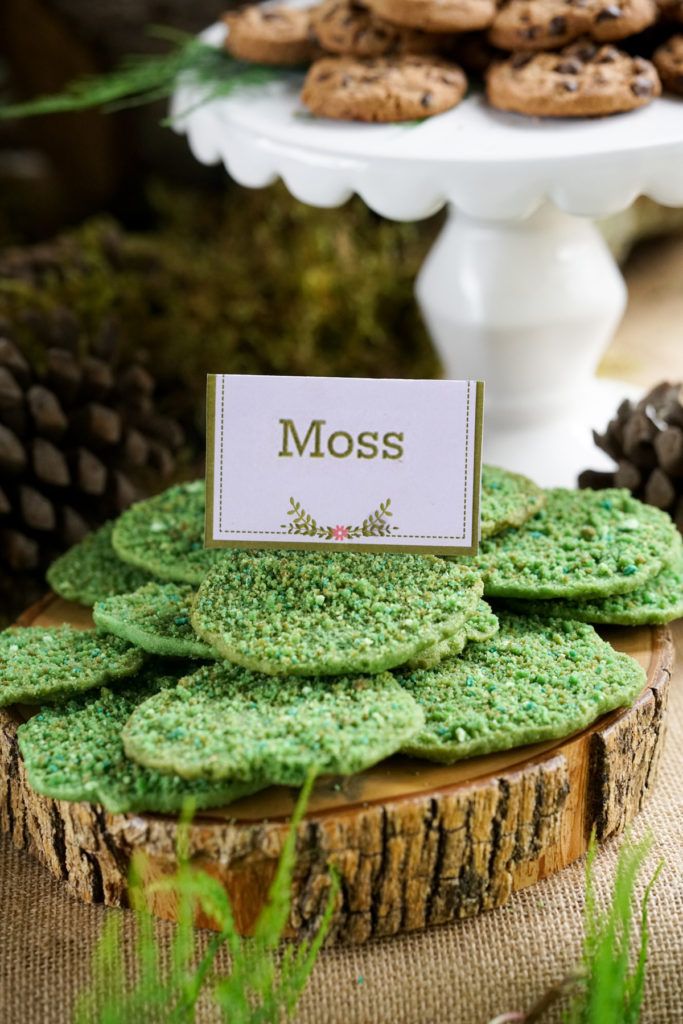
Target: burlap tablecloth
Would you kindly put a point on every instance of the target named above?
(462, 974)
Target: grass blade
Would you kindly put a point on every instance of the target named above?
(612, 993)
(256, 990)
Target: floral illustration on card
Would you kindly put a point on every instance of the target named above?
(376, 524)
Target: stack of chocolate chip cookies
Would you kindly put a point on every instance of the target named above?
(402, 60)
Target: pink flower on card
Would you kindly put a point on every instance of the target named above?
(340, 533)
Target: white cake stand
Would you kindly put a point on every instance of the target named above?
(520, 289)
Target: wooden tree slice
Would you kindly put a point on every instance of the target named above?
(414, 844)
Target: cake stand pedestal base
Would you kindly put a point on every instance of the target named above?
(555, 451)
(528, 306)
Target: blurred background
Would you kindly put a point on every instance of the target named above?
(128, 271)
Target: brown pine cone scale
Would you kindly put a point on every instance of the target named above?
(80, 440)
(645, 440)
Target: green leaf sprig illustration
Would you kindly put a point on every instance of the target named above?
(302, 523)
(376, 524)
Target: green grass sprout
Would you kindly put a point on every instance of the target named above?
(612, 992)
(604, 989)
(265, 980)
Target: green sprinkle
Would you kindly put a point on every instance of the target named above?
(574, 548)
(75, 752)
(507, 499)
(165, 535)
(482, 625)
(92, 570)
(658, 601)
(150, 618)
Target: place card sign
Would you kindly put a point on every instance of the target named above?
(330, 462)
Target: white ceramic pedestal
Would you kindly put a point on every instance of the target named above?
(528, 306)
(519, 290)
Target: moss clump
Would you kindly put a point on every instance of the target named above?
(240, 282)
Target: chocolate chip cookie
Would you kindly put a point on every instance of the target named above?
(271, 35)
(436, 15)
(550, 24)
(384, 89)
(345, 27)
(668, 60)
(582, 80)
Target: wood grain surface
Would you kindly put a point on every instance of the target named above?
(414, 844)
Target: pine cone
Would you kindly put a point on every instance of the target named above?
(80, 433)
(646, 442)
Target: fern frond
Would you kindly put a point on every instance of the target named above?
(142, 79)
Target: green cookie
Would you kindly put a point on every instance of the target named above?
(536, 680)
(75, 752)
(225, 722)
(482, 625)
(91, 570)
(165, 535)
(39, 664)
(507, 499)
(660, 600)
(329, 613)
(156, 617)
(582, 544)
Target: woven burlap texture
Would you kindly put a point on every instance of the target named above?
(461, 974)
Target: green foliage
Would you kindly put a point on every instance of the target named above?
(145, 79)
(261, 987)
(303, 524)
(611, 991)
(241, 282)
(604, 989)
(317, 292)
